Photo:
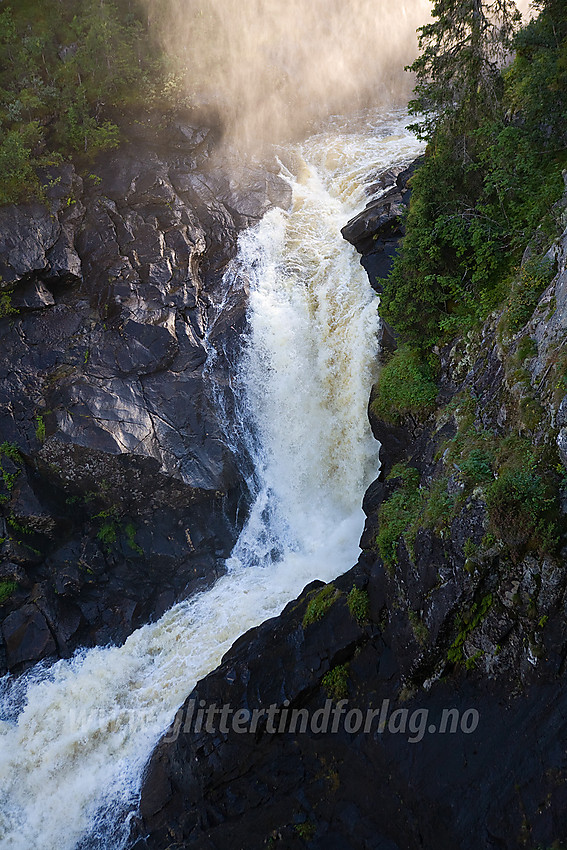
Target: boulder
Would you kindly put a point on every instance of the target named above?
(26, 636)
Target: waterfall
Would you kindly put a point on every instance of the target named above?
(75, 736)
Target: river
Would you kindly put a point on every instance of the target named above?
(75, 736)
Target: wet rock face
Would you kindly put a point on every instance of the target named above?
(119, 493)
(376, 231)
(476, 785)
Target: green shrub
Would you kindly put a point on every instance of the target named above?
(439, 505)
(470, 549)
(531, 413)
(335, 682)
(7, 588)
(527, 348)
(477, 466)
(359, 605)
(130, 530)
(6, 306)
(408, 474)
(320, 604)
(306, 830)
(533, 278)
(395, 515)
(518, 501)
(405, 385)
(40, 428)
(466, 623)
(18, 181)
(410, 508)
(66, 70)
(8, 476)
(419, 628)
(483, 189)
(518, 481)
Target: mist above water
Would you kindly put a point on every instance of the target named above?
(271, 70)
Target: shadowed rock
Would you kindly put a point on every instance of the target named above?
(125, 497)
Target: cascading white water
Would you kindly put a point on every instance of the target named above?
(74, 737)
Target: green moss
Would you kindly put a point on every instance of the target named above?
(519, 376)
(472, 662)
(527, 348)
(18, 527)
(419, 628)
(552, 307)
(533, 277)
(107, 533)
(7, 588)
(395, 515)
(466, 623)
(558, 381)
(40, 428)
(320, 604)
(470, 549)
(405, 386)
(306, 830)
(6, 306)
(531, 413)
(109, 527)
(359, 605)
(9, 451)
(130, 531)
(335, 682)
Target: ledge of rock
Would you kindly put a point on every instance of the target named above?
(376, 231)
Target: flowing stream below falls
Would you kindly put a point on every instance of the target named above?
(75, 736)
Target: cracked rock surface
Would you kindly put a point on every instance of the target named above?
(118, 490)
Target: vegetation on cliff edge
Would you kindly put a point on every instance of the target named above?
(68, 70)
(491, 174)
(497, 144)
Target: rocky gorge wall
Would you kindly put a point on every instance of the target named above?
(119, 492)
(468, 612)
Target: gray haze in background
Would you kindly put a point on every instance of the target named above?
(273, 68)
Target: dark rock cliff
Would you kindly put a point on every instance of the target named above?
(119, 493)
(459, 618)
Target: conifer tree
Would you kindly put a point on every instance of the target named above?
(462, 51)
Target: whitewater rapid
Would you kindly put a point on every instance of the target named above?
(75, 736)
